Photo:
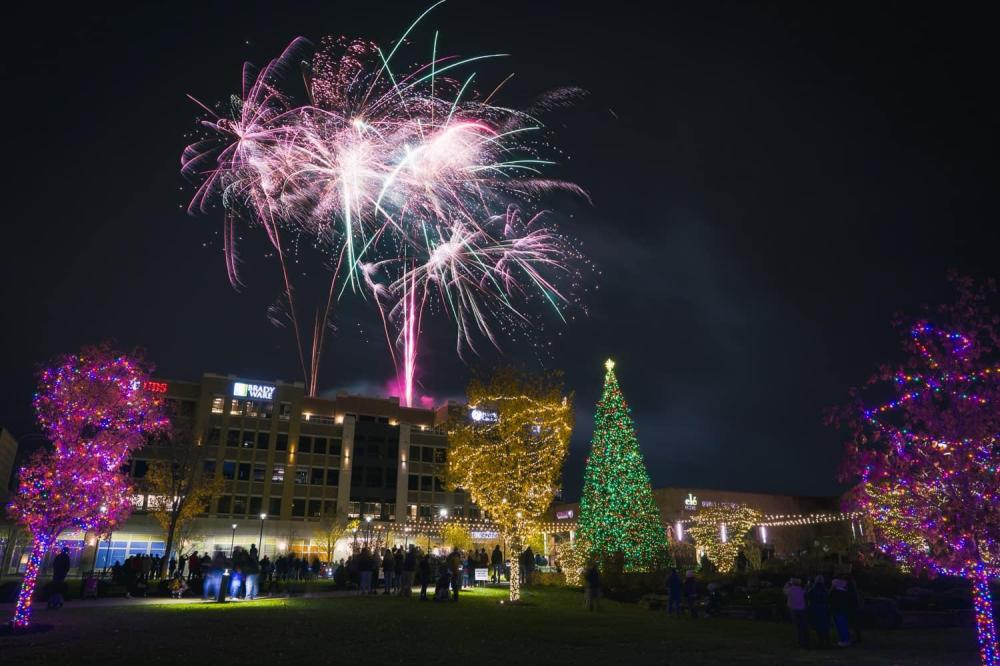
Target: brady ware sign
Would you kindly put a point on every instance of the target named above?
(258, 391)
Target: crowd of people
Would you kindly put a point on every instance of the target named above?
(402, 568)
(815, 605)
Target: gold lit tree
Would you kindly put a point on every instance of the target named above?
(719, 530)
(508, 452)
(178, 488)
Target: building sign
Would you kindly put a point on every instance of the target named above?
(484, 536)
(151, 386)
(482, 574)
(691, 502)
(564, 515)
(258, 391)
(483, 416)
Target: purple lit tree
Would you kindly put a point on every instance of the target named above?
(926, 461)
(96, 410)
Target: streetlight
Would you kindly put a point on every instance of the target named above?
(443, 512)
(260, 541)
(232, 544)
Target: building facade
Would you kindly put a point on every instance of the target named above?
(288, 462)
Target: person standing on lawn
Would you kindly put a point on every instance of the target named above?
(818, 601)
(454, 562)
(496, 559)
(424, 573)
(854, 605)
(690, 591)
(674, 592)
(796, 599)
(409, 568)
(388, 569)
(839, 609)
(592, 587)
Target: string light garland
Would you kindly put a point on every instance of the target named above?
(619, 516)
(510, 465)
(926, 462)
(719, 530)
(95, 410)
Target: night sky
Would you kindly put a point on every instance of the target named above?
(770, 184)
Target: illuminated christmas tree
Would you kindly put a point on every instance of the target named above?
(927, 462)
(619, 517)
(95, 410)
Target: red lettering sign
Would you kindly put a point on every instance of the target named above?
(155, 387)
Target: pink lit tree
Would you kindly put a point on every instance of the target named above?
(96, 410)
(926, 458)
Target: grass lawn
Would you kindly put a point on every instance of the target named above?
(551, 628)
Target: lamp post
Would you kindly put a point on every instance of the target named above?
(260, 540)
(368, 531)
(232, 543)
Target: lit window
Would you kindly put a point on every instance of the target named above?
(301, 476)
(236, 408)
(278, 473)
(285, 411)
(218, 404)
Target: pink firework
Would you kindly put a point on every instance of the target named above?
(411, 182)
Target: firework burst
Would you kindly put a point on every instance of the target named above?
(424, 194)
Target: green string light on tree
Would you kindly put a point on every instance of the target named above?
(619, 517)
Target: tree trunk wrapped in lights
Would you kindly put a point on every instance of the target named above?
(719, 530)
(96, 410)
(927, 462)
(619, 516)
(510, 460)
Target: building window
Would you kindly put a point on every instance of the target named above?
(473, 513)
(330, 507)
(224, 503)
(285, 411)
(374, 477)
(373, 450)
(281, 444)
(414, 482)
(259, 472)
(414, 453)
(332, 476)
(263, 438)
(319, 445)
(232, 437)
(208, 469)
(318, 474)
(274, 507)
(214, 436)
(298, 508)
(240, 505)
(218, 404)
(243, 472)
(359, 450)
(236, 408)
(413, 511)
(301, 475)
(440, 455)
(334, 449)
(278, 472)
(426, 483)
(427, 454)
(438, 486)
(255, 505)
(357, 476)
(265, 410)
(229, 470)
(390, 477)
(248, 440)
(315, 508)
(305, 444)
(425, 511)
